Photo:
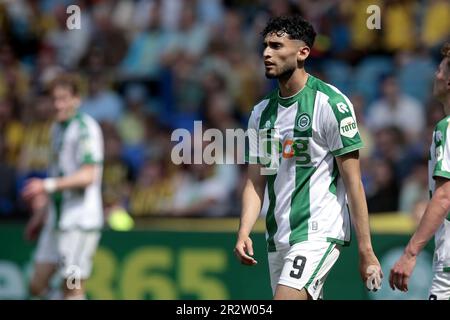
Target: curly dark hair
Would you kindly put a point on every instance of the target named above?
(446, 50)
(294, 26)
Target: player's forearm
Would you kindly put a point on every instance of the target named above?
(80, 179)
(433, 217)
(251, 207)
(360, 216)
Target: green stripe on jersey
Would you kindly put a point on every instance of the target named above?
(269, 115)
(57, 198)
(300, 201)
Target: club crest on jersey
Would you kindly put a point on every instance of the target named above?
(348, 127)
(303, 122)
(268, 124)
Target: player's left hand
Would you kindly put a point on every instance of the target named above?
(34, 187)
(401, 272)
(370, 270)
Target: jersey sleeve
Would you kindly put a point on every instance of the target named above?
(251, 147)
(442, 142)
(340, 126)
(90, 147)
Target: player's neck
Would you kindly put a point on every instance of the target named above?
(293, 83)
(446, 103)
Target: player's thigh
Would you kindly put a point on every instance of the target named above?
(283, 292)
(440, 286)
(46, 260)
(77, 249)
(307, 265)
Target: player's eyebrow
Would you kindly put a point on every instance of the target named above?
(271, 42)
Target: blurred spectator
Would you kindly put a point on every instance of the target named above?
(116, 174)
(71, 45)
(399, 28)
(414, 188)
(132, 124)
(191, 38)
(102, 103)
(382, 195)
(396, 109)
(154, 190)
(35, 151)
(12, 132)
(436, 22)
(361, 38)
(205, 190)
(146, 49)
(8, 191)
(108, 44)
(13, 76)
(391, 146)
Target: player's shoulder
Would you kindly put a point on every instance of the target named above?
(85, 119)
(443, 124)
(86, 124)
(329, 93)
(264, 102)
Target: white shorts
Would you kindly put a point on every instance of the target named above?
(304, 265)
(72, 250)
(440, 286)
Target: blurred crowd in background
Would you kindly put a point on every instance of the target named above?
(149, 67)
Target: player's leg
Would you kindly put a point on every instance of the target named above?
(46, 259)
(287, 293)
(440, 286)
(77, 249)
(43, 272)
(306, 267)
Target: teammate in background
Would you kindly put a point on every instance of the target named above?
(313, 125)
(435, 220)
(73, 215)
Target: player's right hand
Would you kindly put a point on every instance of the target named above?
(244, 250)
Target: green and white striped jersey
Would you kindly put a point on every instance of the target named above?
(76, 142)
(305, 132)
(439, 166)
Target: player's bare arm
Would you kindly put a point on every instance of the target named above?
(433, 217)
(349, 169)
(80, 179)
(38, 207)
(252, 199)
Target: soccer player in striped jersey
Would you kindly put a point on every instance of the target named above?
(435, 220)
(70, 236)
(314, 140)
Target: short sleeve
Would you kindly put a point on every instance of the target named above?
(251, 148)
(90, 147)
(340, 126)
(442, 150)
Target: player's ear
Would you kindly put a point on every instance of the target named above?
(303, 53)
